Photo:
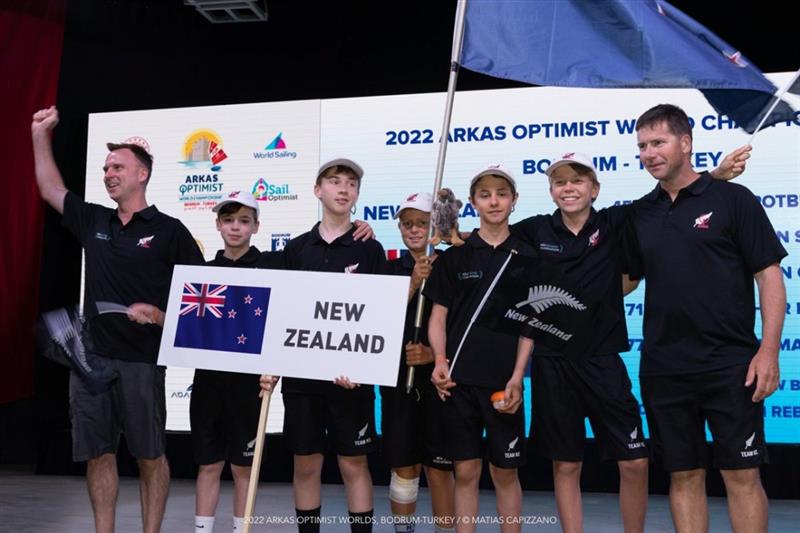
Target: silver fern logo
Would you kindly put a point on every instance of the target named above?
(543, 297)
(249, 450)
(362, 438)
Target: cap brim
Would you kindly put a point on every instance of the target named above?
(397, 214)
(560, 163)
(223, 203)
(494, 172)
(344, 162)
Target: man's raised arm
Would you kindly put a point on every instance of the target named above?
(48, 177)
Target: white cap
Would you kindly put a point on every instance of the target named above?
(419, 200)
(141, 142)
(349, 163)
(495, 169)
(238, 197)
(571, 157)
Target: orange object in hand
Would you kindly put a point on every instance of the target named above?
(498, 399)
(498, 396)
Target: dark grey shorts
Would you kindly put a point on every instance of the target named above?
(134, 405)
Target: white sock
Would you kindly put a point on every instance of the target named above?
(440, 529)
(238, 524)
(204, 523)
(404, 523)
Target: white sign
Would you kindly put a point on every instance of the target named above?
(317, 325)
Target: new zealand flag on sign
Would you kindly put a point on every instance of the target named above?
(230, 318)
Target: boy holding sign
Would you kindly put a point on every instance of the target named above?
(225, 406)
(341, 409)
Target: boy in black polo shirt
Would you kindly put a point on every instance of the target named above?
(586, 245)
(342, 409)
(701, 243)
(224, 408)
(483, 360)
(411, 422)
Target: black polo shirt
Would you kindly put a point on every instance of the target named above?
(591, 262)
(460, 278)
(125, 265)
(253, 258)
(310, 251)
(404, 266)
(698, 255)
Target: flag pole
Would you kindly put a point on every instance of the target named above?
(256, 468)
(455, 58)
(777, 96)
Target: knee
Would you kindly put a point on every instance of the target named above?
(567, 468)
(353, 467)
(147, 466)
(104, 461)
(685, 478)
(240, 473)
(468, 472)
(438, 477)
(213, 469)
(633, 467)
(741, 480)
(307, 466)
(503, 476)
(403, 490)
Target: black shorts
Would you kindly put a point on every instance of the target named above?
(224, 412)
(467, 412)
(564, 393)
(679, 406)
(135, 405)
(411, 425)
(348, 417)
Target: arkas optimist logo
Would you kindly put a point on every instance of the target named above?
(203, 149)
(203, 154)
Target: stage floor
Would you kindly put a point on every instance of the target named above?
(43, 504)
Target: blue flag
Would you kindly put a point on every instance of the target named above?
(230, 318)
(614, 44)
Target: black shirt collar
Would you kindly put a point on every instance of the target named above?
(475, 241)
(148, 213)
(558, 221)
(696, 188)
(249, 257)
(407, 261)
(345, 239)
